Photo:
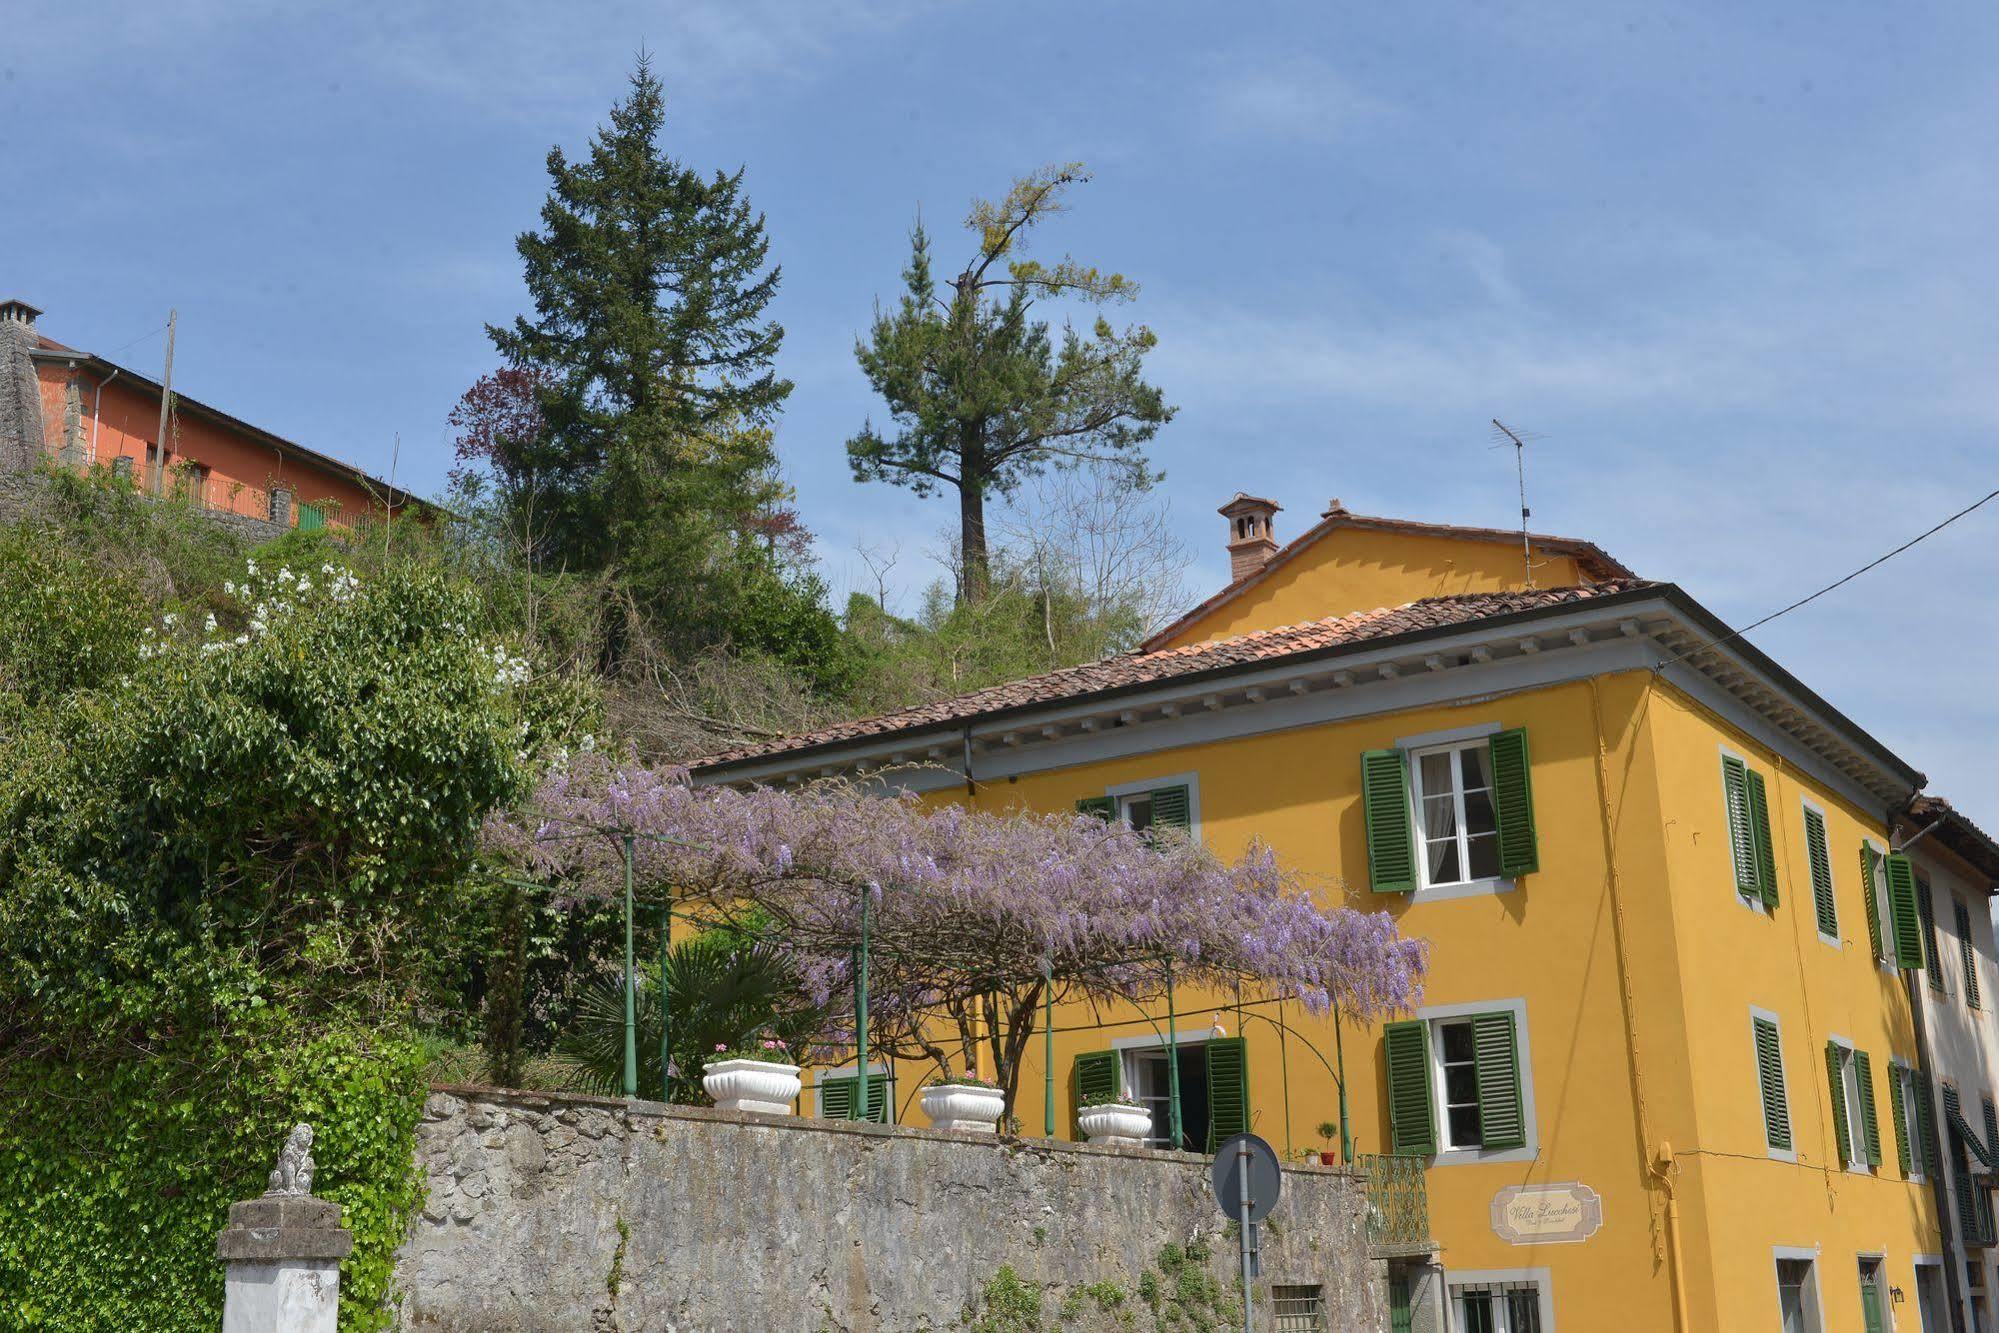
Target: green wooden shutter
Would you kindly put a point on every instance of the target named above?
(1171, 808)
(1926, 1139)
(1870, 1122)
(310, 518)
(1412, 1127)
(836, 1098)
(1496, 1055)
(1821, 863)
(1968, 954)
(1513, 803)
(1095, 1077)
(1391, 842)
(1932, 965)
(1836, 1081)
(1991, 1127)
(1898, 1079)
(1401, 1313)
(1759, 832)
(1868, 859)
(1770, 1077)
(1903, 919)
(1103, 807)
(1741, 842)
(1228, 1088)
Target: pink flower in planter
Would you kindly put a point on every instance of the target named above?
(721, 1045)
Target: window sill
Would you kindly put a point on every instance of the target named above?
(1477, 1156)
(1756, 905)
(1471, 888)
(1830, 941)
(1782, 1155)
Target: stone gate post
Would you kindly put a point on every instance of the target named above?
(283, 1252)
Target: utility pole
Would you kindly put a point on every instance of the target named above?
(166, 403)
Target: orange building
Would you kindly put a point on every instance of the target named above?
(84, 411)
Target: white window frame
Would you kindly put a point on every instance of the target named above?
(1539, 1278)
(1411, 748)
(1756, 1069)
(1802, 1254)
(1907, 1093)
(1129, 1047)
(1806, 808)
(1856, 1129)
(1431, 1015)
(1754, 902)
(1121, 794)
(1439, 1082)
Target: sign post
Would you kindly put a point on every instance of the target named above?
(1246, 1182)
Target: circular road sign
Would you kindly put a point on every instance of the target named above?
(1265, 1180)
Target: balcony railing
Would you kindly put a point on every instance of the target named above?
(1398, 1204)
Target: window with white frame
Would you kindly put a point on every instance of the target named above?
(1856, 1107)
(1507, 1306)
(1798, 1295)
(1455, 823)
(1912, 1120)
(1457, 1083)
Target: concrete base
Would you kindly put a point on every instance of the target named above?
(282, 1296)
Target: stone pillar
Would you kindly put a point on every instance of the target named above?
(21, 443)
(283, 1253)
(281, 506)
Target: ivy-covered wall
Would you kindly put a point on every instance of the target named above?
(559, 1213)
(113, 1186)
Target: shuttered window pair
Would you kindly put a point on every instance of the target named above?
(1468, 814)
(1098, 1077)
(1855, 1125)
(1967, 953)
(1162, 807)
(1487, 1082)
(839, 1098)
(1909, 1103)
(1770, 1079)
(1749, 831)
(1894, 922)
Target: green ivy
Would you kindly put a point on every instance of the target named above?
(114, 1184)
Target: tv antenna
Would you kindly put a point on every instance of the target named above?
(1520, 472)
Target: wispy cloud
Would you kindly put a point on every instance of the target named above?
(1284, 98)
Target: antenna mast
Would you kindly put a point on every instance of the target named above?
(1520, 471)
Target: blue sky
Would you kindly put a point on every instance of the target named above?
(1734, 269)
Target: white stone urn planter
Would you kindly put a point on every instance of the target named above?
(964, 1106)
(762, 1086)
(1116, 1124)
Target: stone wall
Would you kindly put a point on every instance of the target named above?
(25, 493)
(567, 1213)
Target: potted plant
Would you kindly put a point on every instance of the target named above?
(1328, 1130)
(966, 1103)
(753, 1076)
(1115, 1124)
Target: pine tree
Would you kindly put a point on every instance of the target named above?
(650, 289)
(980, 396)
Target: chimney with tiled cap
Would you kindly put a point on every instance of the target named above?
(1252, 539)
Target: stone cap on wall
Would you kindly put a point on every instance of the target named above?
(639, 1108)
(284, 1227)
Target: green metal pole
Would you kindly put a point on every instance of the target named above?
(665, 1012)
(1173, 1061)
(631, 988)
(1283, 1062)
(1340, 1058)
(861, 1016)
(1048, 1049)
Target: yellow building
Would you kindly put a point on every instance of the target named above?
(1657, 1081)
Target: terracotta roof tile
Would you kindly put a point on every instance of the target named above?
(1145, 668)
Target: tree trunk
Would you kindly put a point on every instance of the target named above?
(975, 577)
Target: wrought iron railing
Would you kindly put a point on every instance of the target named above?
(1398, 1203)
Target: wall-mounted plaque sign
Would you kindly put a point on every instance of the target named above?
(1546, 1214)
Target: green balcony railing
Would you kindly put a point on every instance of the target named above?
(1398, 1204)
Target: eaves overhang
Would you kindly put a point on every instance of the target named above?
(1657, 627)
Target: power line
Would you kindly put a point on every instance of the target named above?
(1836, 583)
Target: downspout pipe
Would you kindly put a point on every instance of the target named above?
(97, 410)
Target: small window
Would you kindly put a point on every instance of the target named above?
(1457, 1059)
(1298, 1309)
(1136, 810)
(1455, 821)
(1496, 1307)
(1797, 1296)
